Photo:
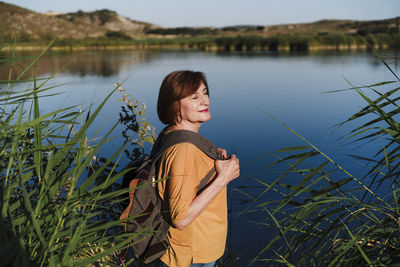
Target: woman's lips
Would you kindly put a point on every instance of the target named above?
(204, 110)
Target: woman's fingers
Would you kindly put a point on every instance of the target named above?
(235, 165)
(223, 152)
(228, 170)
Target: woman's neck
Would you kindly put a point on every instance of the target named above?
(184, 126)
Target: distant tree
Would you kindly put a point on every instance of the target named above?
(104, 15)
(117, 35)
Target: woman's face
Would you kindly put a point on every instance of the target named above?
(194, 108)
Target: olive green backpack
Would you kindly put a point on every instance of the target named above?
(144, 211)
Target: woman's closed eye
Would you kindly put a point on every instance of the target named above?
(197, 94)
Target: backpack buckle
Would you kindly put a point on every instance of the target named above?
(153, 181)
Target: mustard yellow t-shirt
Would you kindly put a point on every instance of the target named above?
(204, 239)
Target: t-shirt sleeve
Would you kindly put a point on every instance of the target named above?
(183, 181)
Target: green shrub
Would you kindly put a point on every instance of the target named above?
(117, 35)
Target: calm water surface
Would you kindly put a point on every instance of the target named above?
(244, 88)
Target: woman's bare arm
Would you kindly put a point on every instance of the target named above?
(227, 170)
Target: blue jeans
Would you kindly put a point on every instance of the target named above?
(210, 264)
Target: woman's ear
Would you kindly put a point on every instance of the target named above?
(178, 118)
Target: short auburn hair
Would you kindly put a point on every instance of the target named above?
(174, 87)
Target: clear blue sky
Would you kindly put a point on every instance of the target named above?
(176, 13)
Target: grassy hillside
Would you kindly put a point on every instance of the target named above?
(105, 28)
(324, 34)
(30, 26)
(316, 28)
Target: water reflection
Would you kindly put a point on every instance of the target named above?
(324, 57)
(107, 63)
(103, 63)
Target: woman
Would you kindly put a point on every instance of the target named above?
(198, 220)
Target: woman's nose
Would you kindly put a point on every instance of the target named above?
(205, 100)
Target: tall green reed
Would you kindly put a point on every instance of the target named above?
(59, 202)
(326, 216)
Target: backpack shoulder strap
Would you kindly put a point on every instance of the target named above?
(164, 141)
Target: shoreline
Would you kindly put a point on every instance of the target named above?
(187, 47)
(276, 43)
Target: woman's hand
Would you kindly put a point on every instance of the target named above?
(222, 152)
(227, 170)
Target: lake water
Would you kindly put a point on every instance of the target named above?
(244, 88)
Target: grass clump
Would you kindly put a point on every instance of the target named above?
(60, 201)
(325, 216)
